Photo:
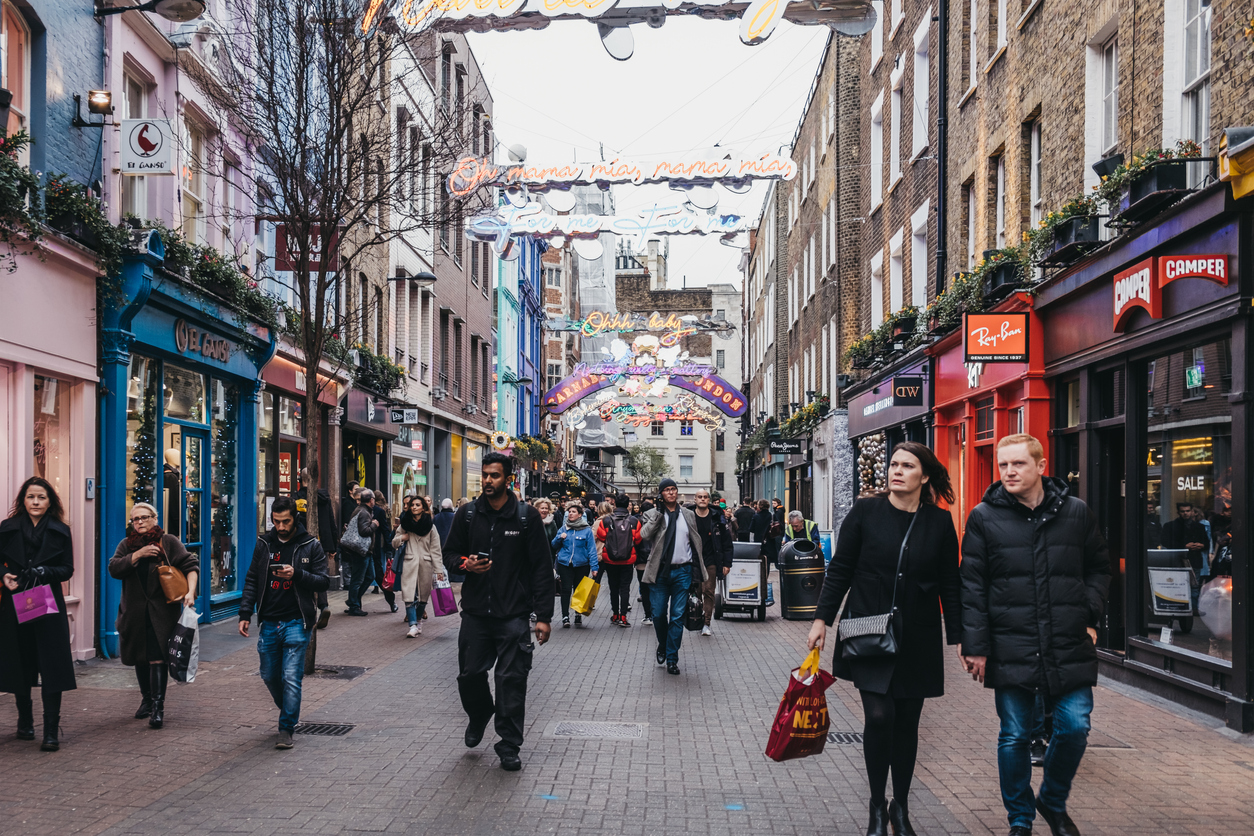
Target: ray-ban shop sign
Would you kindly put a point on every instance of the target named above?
(907, 391)
(783, 446)
(1140, 286)
(995, 337)
(147, 147)
(191, 340)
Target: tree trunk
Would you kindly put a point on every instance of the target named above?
(313, 454)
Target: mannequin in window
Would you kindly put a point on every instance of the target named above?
(173, 483)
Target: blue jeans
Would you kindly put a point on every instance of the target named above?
(281, 646)
(361, 574)
(670, 630)
(414, 611)
(1016, 707)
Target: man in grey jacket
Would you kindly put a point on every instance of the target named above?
(674, 562)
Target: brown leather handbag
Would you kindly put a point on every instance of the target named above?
(173, 581)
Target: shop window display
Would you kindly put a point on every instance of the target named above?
(51, 425)
(1189, 500)
(225, 454)
(184, 394)
(474, 469)
(267, 474)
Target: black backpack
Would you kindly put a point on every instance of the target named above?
(619, 538)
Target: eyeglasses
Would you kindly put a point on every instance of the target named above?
(142, 518)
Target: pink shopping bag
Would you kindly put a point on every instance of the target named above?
(442, 600)
(34, 603)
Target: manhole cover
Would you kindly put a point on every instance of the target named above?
(324, 729)
(844, 738)
(602, 731)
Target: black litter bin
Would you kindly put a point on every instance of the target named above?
(801, 572)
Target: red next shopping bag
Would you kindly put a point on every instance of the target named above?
(801, 724)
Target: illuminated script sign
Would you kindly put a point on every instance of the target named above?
(473, 172)
(611, 408)
(532, 220)
(758, 18)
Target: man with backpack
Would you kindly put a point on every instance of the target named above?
(618, 535)
(716, 546)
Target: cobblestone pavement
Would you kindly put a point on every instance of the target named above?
(697, 769)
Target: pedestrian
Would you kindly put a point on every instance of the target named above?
(1035, 575)
(897, 553)
(551, 525)
(799, 528)
(499, 541)
(444, 519)
(382, 547)
(763, 521)
(618, 533)
(744, 520)
(716, 546)
(643, 550)
(36, 548)
(729, 519)
(576, 556)
(145, 619)
(288, 570)
(676, 548)
(424, 561)
(348, 507)
(359, 563)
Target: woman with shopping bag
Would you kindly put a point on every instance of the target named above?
(424, 561)
(36, 557)
(897, 558)
(576, 556)
(146, 615)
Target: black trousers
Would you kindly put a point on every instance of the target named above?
(620, 587)
(890, 742)
(644, 591)
(483, 642)
(568, 578)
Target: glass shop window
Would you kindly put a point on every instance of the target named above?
(984, 419)
(1188, 514)
(184, 394)
(223, 468)
(141, 430)
(51, 425)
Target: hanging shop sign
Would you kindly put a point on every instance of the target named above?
(1137, 287)
(147, 147)
(404, 416)
(497, 226)
(758, 18)
(907, 391)
(610, 406)
(473, 173)
(995, 337)
(783, 446)
(191, 340)
(1172, 267)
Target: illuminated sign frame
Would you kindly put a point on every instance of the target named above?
(496, 228)
(996, 337)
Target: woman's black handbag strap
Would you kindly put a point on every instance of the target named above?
(900, 554)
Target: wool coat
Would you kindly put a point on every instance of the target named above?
(423, 556)
(864, 565)
(1033, 580)
(143, 599)
(39, 650)
(653, 531)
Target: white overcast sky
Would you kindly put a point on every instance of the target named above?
(690, 85)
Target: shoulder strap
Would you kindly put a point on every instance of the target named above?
(522, 518)
(900, 554)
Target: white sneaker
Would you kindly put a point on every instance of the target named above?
(706, 631)
(414, 629)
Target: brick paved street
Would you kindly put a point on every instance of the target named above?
(698, 769)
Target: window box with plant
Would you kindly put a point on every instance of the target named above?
(20, 214)
(1066, 234)
(376, 372)
(1149, 182)
(1000, 273)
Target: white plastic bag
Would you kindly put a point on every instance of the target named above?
(183, 652)
(1214, 605)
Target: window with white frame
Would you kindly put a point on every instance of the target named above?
(921, 117)
(877, 34)
(229, 211)
(972, 52)
(1034, 174)
(193, 184)
(720, 358)
(877, 150)
(918, 255)
(1196, 104)
(894, 132)
(813, 262)
(1110, 95)
(899, 14)
(896, 273)
(969, 188)
(877, 289)
(134, 188)
(15, 54)
(552, 373)
(553, 277)
(1002, 13)
(685, 467)
(1000, 208)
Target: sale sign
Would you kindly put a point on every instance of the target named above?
(285, 474)
(996, 337)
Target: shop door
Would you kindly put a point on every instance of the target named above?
(195, 522)
(1108, 502)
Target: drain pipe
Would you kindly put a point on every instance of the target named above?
(942, 147)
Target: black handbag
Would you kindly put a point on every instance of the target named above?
(872, 635)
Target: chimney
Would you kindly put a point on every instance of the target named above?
(656, 267)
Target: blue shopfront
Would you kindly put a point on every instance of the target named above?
(178, 427)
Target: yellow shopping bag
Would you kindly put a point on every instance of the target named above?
(585, 597)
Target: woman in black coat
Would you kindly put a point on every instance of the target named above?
(760, 529)
(36, 549)
(145, 621)
(873, 539)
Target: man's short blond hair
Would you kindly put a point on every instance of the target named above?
(1034, 445)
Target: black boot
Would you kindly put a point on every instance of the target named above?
(25, 717)
(878, 823)
(899, 818)
(160, 676)
(52, 721)
(145, 691)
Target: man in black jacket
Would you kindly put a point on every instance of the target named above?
(500, 543)
(287, 573)
(744, 521)
(716, 548)
(1035, 574)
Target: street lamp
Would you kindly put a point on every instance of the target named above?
(179, 11)
(422, 278)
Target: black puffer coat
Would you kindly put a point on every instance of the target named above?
(1033, 580)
